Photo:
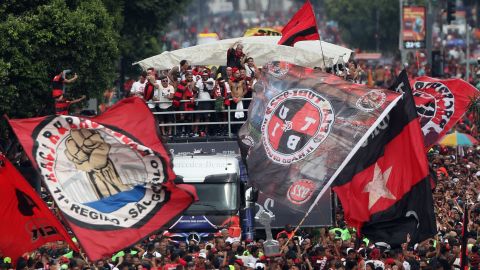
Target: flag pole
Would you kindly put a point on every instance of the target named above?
(319, 40)
(323, 56)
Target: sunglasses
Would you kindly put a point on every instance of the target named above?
(164, 80)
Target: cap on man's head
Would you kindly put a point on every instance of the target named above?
(202, 255)
(390, 261)
(239, 262)
(56, 93)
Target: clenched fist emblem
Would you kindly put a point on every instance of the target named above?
(89, 152)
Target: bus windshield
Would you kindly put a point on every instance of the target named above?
(214, 197)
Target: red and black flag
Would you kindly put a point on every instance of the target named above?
(27, 223)
(385, 190)
(402, 84)
(109, 175)
(448, 101)
(302, 26)
(302, 126)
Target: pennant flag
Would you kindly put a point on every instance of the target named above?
(27, 223)
(110, 175)
(302, 127)
(449, 100)
(302, 26)
(385, 189)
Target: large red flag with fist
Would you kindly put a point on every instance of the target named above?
(110, 175)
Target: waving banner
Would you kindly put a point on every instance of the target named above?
(27, 223)
(385, 189)
(303, 127)
(109, 175)
(449, 100)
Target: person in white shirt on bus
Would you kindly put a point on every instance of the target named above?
(165, 96)
(138, 87)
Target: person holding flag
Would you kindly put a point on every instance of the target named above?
(59, 81)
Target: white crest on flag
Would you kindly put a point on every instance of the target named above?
(98, 176)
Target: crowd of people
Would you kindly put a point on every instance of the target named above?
(457, 173)
(458, 185)
(232, 25)
(206, 91)
(174, 94)
(202, 94)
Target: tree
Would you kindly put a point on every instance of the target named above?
(358, 23)
(141, 24)
(38, 41)
(41, 38)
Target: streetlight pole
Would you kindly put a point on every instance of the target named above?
(400, 39)
(429, 26)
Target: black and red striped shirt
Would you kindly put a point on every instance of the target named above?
(61, 106)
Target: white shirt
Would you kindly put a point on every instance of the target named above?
(138, 88)
(376, 263)
(249, 71)
(203, 91)
(155, 254)
(156, 96)
(165, 103)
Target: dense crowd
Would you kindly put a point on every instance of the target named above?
(457, 173)
(209, 92)
(204, 94)
(458, 185)
(233, 24)
(187, 88)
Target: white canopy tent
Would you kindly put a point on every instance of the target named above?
(263, 49)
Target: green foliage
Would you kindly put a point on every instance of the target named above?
(38, 41)
(357, 22)
(143, 23)
(40, 38)
(474, 109)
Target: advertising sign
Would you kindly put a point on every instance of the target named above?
(414, 22)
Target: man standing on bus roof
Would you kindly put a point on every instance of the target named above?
(59, 81)
(235, 55)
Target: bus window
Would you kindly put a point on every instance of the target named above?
(214, 197)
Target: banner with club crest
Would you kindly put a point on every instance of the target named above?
(109, 175)
(303, 127)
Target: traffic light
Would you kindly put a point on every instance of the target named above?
(451, 9)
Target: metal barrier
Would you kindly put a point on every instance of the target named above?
(227, 110)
